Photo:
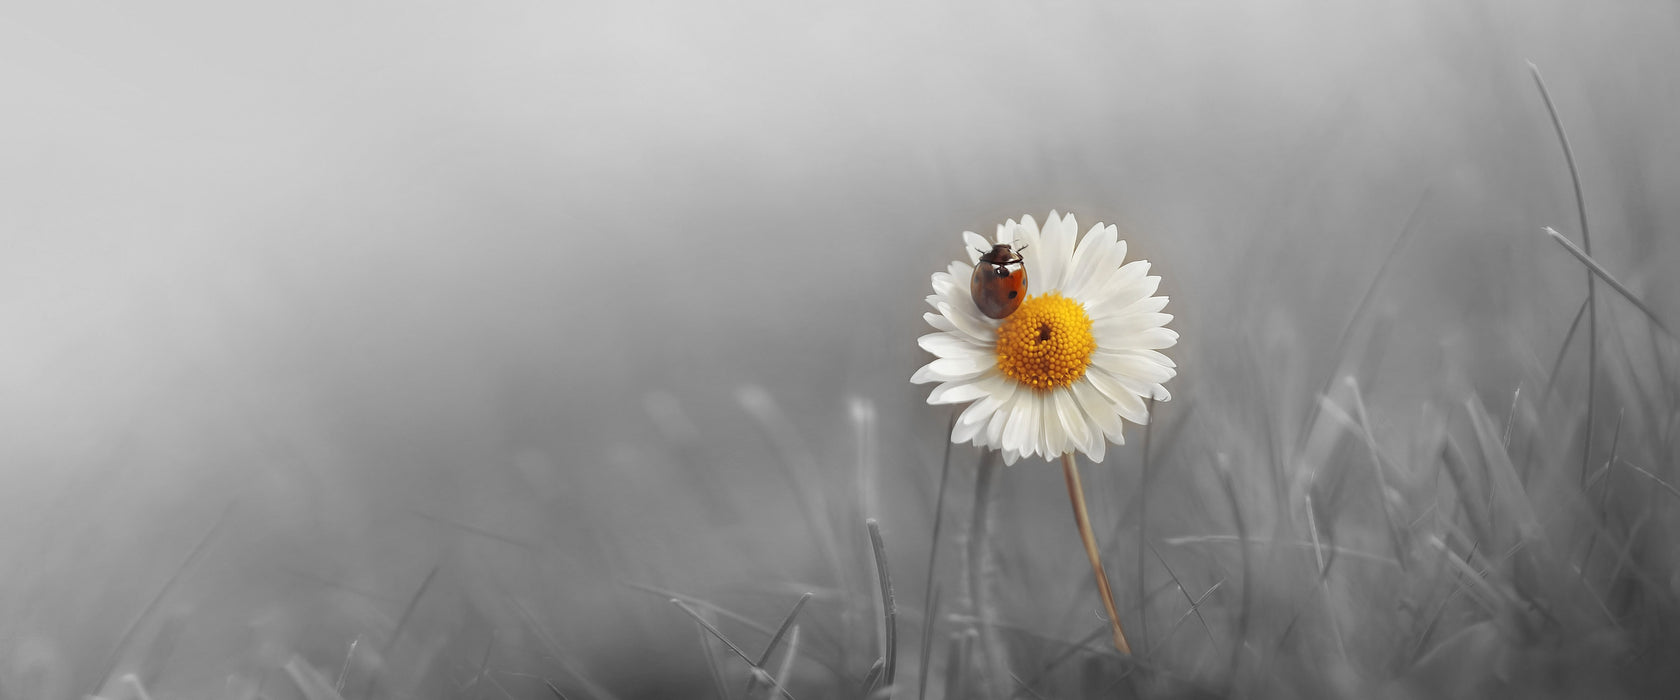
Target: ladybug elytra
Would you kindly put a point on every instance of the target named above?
(999, 283)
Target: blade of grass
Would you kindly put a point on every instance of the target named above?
(1226, 480)
(801, 469)
(1467, 488)
(928, 591)
(344, 671)
(1086, 643)
(785, 671)
(1394, 532)
(1339, 550)
(408, 612)
(703, 604)
(1022, 685)
(873, 679)
(1593, 267)
(929, 625)
(709, 627)
(1653, 477)
(1470, 580)
(1511, 418)
(979, 555)
(552, 646)
(1195, 609)
(198, 550)
(1187, 598)
(712, 668)
(1143, 529)
(782, 630)
(1359, 311)
(135, 687)
(1506, 489)
(957, 651)
(889, 622)
(1563, 349)
(1586, 243)
(309, 681)
(1603, 493)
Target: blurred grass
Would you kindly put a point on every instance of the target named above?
(492, 330)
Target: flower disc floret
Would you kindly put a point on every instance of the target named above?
(1046, 343)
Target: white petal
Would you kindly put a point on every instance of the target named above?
(1100, 409)
(949, 289)
(1143, 389)
(1131, 292)
(1127, 325)
(1147, 339)
(1051, 439)
(939, 322)
(1027, 239)
(960, 367)
(1125, 402)
(960, 391)
(1124, 365)
(993, 384)
(1146, 305)
(946, 369)
(973, 419)
(1006, 232)
(1055, 247)
(965, 433)
(1093, 249)
(976, 244)
(1151, 355)
(1020, 434)
(1104, 268)
(1000, 390)
(968, 320)
(951, 345)
(1010, 457)
(1126, 275)
(1074, 425)
(1099, 448)
(999, 420)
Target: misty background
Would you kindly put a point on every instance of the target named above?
(387, 287)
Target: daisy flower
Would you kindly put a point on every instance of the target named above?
(1078, 356)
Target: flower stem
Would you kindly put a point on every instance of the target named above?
(1076, 494)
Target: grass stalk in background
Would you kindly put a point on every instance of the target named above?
(1594, 268)
(198, 550)
(1586, 245)
(1143, 528)
(889, 614)
(930, 596)
(979, 565)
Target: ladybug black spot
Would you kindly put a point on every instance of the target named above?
(1012, 293)
(1000, 271)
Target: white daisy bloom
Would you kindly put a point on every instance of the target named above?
(1081, 352)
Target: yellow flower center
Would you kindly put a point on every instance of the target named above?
(1046, 343)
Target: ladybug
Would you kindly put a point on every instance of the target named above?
(997, 289)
